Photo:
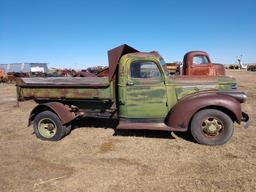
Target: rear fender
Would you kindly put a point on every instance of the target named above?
(182, 113)
(62, 111)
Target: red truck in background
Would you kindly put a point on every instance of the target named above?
(196, 63)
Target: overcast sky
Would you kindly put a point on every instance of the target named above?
(78, 33)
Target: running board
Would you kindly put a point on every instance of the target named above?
(148, 126)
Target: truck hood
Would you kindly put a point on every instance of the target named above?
(219, 69)
(187, 85)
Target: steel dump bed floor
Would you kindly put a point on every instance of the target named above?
(71, 88)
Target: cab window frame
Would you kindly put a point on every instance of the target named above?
(145, 80)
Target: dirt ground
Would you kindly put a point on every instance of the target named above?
(94, 159)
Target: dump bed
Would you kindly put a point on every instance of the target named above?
(73, 88)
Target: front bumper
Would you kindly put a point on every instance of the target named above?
(245, 120)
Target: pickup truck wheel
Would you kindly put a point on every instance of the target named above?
(211, 127)
(47, 126)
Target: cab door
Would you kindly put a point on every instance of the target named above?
(145, 91)
(201, 65)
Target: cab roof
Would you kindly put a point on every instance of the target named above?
(115, 54)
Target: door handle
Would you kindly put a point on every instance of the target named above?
(129, 83)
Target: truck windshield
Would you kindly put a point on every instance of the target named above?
(162, 62)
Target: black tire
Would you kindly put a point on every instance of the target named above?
(48, 118)
(211, 127)
(67, 129)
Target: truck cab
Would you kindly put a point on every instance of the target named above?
(142, 86)
(199, 63)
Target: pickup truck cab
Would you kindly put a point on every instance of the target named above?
(196, 63)
(140, 94)
(199, 63)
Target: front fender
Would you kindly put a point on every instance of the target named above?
(62, 111)
(182, 113)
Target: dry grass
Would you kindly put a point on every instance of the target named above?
(92, 159)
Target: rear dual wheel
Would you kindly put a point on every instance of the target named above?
(212, 127)
(47, 126)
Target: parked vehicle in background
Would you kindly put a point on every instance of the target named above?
(2, 76)
(139, 94)
(199, 63)
(174, 68)
(251, 67)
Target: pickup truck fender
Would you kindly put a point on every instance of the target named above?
(182, 113)
(62, 111)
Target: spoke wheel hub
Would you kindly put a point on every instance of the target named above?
(212, 126)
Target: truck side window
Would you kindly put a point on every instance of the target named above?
(145, 69)
(197, 60)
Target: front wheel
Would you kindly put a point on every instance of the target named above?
(211, 127)
(47, 126)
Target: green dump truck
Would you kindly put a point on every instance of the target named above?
(138, 94)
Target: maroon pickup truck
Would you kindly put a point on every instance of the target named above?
(199, 63)
(196, 63)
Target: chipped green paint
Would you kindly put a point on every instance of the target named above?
(144, 98)
(146, 102)
(68, 93)
(182, 91)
